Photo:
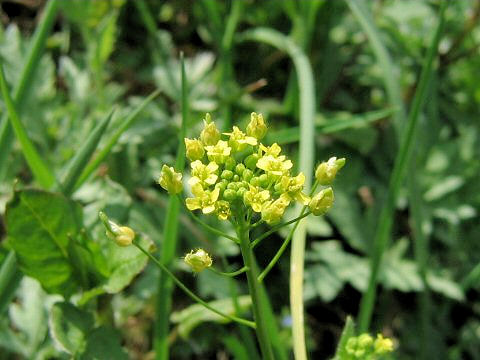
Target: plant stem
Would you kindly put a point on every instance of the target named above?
(243, 233)
(229, 274)
(190, 293)
(205, 225)
(382, 234)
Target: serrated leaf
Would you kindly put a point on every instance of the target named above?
(40, 226)
(70, 326)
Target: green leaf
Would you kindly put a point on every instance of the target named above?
(124, 264)
(40, 226)
(347, 333)
(103, 343)
(70, 326)
(192, 316)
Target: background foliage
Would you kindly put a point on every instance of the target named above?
(104, 55)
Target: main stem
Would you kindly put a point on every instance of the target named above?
(243, 233)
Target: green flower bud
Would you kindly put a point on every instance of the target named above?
(230, 163)
(232, 186)
(194, 149)
(230, 194)
(122, 235)
(240, 192)
(256, 127)
(198, 260)
(210, 134)
(170, 180)
(327, 170)
(263, 180)
(247, 175)
(239, 169)
(251, 161)
(321, 202)
(226, 174)
(365, 340)
(254, 181)
(236, 177)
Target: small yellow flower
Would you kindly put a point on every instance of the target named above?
(218, 152)
(222, 209)
(293, 186)
(327, 170)
(170, 180)
(204, 199)
(277, 166)
(273, 150)
(273, 211)
(238, 140)
(256, 197)
(321, 202)
(194, 149)
(383, 345)
(204, 174)
(256, 127)
(198, 260)
(210, 134)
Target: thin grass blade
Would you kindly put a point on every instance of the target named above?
(102, 155)
(80, 160)
(402, 159)
(10, 277)
(170, 237)
(39, 168)
(33, 57)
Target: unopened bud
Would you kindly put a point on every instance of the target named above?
(321, 202)
(122, 235)
(210, 134)
(327, 170)
(256, 127)
(194, 149)
(170, 180)
(198, 260)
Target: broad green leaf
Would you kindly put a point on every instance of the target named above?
(321, 281)
(40, 228)
(103, 343)
(70, 327)
(189, 318)
(347, 333)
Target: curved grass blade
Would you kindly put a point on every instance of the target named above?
(77, 164)
(39, 168)
(127, 122)
(306, 163)
(26, 77)
(10, 277)
(382, 235)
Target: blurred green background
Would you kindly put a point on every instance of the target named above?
(366, 58)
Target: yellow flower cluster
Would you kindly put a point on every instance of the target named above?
(364, 347)
(238, 173)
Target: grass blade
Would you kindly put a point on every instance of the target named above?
(39, 168)
(306, 163)
(9, 279)
(127, 122)
(169, 245)
(361, 12)
(384, 226)
(26, 77)
(77, 164)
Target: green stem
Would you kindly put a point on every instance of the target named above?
(380, 241)
(243, 233)
(205, 225)
(278, 227)
(229, 274)
(190, 293)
